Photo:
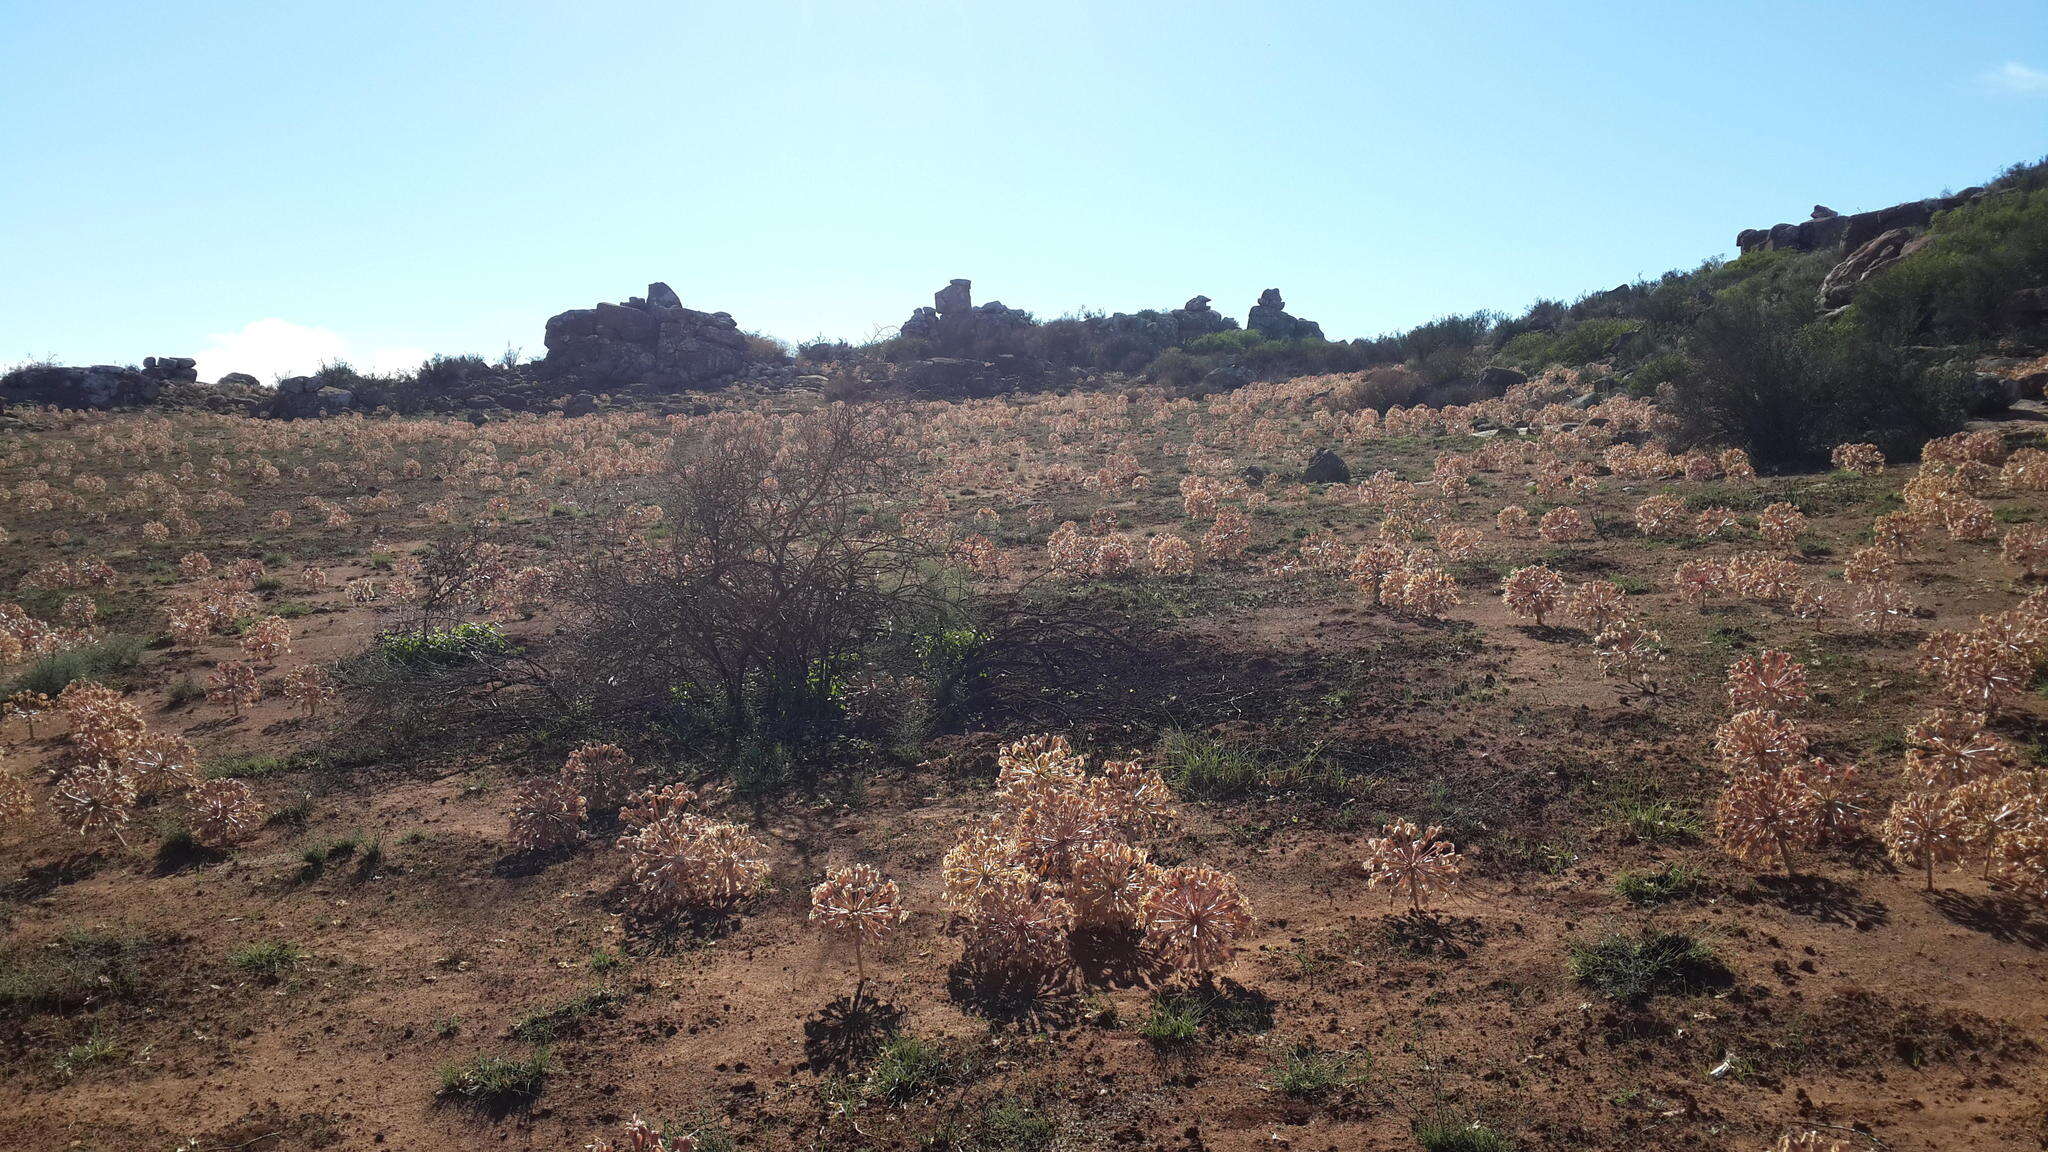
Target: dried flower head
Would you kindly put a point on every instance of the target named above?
(1412, 860)
(1194, 916)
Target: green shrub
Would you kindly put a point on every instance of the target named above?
(1788, 391)
(1226, 343)
(442, 647)
(1951, 291)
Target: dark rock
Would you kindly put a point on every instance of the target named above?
(667, 347)
(957, 296)
(1839, 286)
(2025, 308)
(660, 295)
(1497, 379)
(99, 386)
(1326, 467)
(170, 368)
(1828, 228)
(1253, 475)
(1823, 212)
(1196, 304)
(239, 380)
(1269, 318)
(482, 402)
(1750, 239)
(581, 404)
(1989, 394)
(1221, 380)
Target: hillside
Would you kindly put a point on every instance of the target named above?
(1618, 726)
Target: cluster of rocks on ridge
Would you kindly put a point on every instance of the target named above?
(651, 340)
(1870, 242)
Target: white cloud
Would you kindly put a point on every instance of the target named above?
(2018, 79)
(272, 348)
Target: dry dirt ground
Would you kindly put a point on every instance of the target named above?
(415, 938)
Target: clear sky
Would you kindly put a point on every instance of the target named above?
(269, 184)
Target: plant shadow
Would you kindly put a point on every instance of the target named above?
(2001, 916)
(1821, 898)
(848, 1031)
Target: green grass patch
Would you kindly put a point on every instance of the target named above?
(1309, 1073)
(1450, 1132)
(76, 969)
(267, 961)
(98, 1048)
(105, 657)
(544, 1025)
(252, 766)
(1205, 768)
(1184, 1015)
(1635, 967)
(493, 1081)
(909, 1068)
(1666, 884)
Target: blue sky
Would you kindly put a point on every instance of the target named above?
(269, 184)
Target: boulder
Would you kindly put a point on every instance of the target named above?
(1326, 467)
(171, 368)
(1497, 379)
(1989, 393)
(239, 380)
(581, 404)
(648, 341)
(1221, 380)
(1839, 286)
(1269, 318)
(1196, 318)
(1253, 475)
(956, 296)
(2025, 308)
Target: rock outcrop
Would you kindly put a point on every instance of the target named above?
(954, 324)
(99, 386)
(651, 340)
(182, 368)
(1269, 318)
(1839, 286)
(1828, 228)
